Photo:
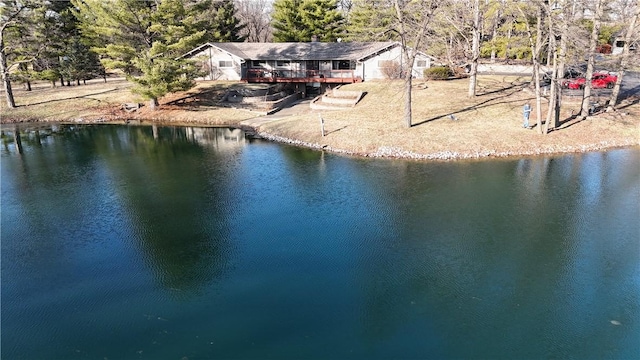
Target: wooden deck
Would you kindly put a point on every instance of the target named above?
(309, 76)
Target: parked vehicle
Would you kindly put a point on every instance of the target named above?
(600, 80)
(569, 74)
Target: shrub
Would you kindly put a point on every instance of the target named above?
(437, 73)
(392, 70)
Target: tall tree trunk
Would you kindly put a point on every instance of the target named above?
(405, 56)
(408, 115)
(507, 46)
(409, 57)
(153, 104)
(535, 58)
(24, 68)
(613, 101)
(562, 60)
(494, 34)
(553, 97)
(593, 42)
(536, 68)
(9, 20)
(11, 103)
(473, 78)
(550, 51)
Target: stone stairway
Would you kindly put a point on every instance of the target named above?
(336, 99)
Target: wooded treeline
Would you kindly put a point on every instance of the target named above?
(70, 41)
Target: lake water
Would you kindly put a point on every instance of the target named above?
(185, 243)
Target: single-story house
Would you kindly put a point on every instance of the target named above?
(308, 62)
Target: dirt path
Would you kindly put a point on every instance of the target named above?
(299, 108)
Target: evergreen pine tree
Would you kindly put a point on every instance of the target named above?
(323, 19)
(32, 39)
(79, 62)
(287, 22)
(218, 17)
(370, 20)
(66, 54)
(227, 27)
(23, 40)
(144, 39)
(298, 20)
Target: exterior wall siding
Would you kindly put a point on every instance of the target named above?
(219, 65)
(371, 68)
(418, 71)
(210, 60)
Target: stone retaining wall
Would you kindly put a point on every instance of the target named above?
(254, 92)
(318, 105)
(339, 93)
(257, 99)
(264, 107)
(249, 95)
(272, 105)
(345, 101)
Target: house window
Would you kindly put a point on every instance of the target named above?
(282, 63)
(342, 65)
(620, 43)
(385, 63)
(225, 63)
(421, 63)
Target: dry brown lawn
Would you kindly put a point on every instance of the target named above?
(102, 102)
(488, 125)
(45, 103)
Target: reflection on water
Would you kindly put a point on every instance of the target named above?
(163, 242)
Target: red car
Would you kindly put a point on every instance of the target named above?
(599, 81)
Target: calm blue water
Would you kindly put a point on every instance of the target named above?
(201, 243)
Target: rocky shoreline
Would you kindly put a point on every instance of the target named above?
(486, 127)
(386, 152)
(382, 152)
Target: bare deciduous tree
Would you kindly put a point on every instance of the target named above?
(624, 60)
(536, 48)
(254, 14)
(413, 18)
(475, 49)
(9, 16)
(560, 64)
(554, 101)
(4, 69)
(593, 42)
(623, 10)
(345, 6)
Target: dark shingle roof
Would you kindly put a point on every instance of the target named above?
(302, 51)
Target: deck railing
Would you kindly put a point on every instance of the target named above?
(264, 75)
